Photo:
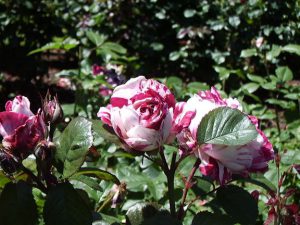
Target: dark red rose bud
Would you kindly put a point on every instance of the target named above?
(52, 110)
(44, 150)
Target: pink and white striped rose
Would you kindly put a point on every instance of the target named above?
(218, 161)
(140, 112)
(20, 128)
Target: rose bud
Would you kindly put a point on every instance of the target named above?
(52, 110)
(140, 113)
(20, 128)
(118, 192)
(218, 161)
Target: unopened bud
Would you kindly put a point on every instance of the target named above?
(118, 192)
(44, 150)
(52, 109)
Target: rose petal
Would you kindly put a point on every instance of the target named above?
(20, 104)
(22, 142)
(104, 114)
(123, 93)
(123, 120)
(9, 121)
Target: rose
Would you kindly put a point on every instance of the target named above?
(52, 111)
(20, 128)
(218, 161)
(140, 113)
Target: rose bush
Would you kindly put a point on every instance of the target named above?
(140, 112)
(218, 161)
(20, 128)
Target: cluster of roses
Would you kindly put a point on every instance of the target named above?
(23, 131)
(144, 115)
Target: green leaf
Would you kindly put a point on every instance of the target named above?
(66, 44)
(73, 146)
(208, 218)
(102, 130)
(223, 72)
(174, 56)
(64, 206)
(17, 205)
(282, 103)
(3, 179)
(250, 87)
(173, 81)
(259, 180)
(234, 21)
(292, 48)
(256, 78)
(238, 203)
(157, 46)
(195, 87)
(189, 13)
(114, 47)
(96, 38)
(248, 53)
(275, 51)
(284, 73)
(97, 173)
(93, 183)
(226, 126)
(139, 212)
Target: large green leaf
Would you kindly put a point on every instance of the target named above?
(96, 38)
(73, 145)
(17, 205)
(292, 48)
(284, 73)
(64, 206)
(226, 126)
(97, 173)
(208, 218)
(99, 130)
(113, 47)
(238, 203)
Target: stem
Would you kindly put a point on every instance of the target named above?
(277, 120)
(170, 174)
(278, 217)
(186, 189)
(39, 184)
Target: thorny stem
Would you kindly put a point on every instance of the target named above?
(170, 173)
(181, 212)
